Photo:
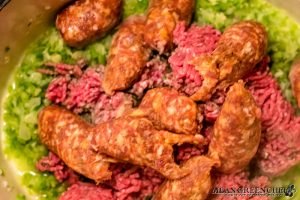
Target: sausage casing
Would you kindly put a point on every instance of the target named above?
(87, 20)
(67, 135)
(169, 110)
(127, 56)
(162, 18)
(195, 186)
(83, 147)
(239, 49)
(135, 140)
(207, 69)
(237, 131)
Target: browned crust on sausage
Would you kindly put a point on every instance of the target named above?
(169, 110)
(207, 69)
(195, 186)
(239, 49)
(294, 77)
(67, 135)
(162, 18)
(82, 146)
(127, 56)
(84, 21)
(237, 131)
(135, 140)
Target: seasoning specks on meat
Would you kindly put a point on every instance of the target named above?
(237, 131)
(127, 56)
(207, 69)
(162, 18)
(67, 135)
(87, 20)
(195, 186)
(169, 110)
(135, 140)
(240, 48)
(129, 139)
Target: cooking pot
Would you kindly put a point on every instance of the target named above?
(21, 22)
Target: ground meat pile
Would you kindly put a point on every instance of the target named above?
(79, 89)
(182, 76)
(87, 191)
(83, 93)
(52, 163)
(153, 76)
(211, 108)
(190, 43)
(132, 182)
(280, 144)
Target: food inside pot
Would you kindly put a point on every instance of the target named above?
(168, 104)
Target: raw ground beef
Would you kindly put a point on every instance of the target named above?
(132, 182)
(52, 163)
(64, 69)
(239, 180)
(186, 151)
(109, 107)
(80, 90)
(128, 181)
(190, 43)
(153, 76)
(84, 93)
(57, 89)
(183, 77)
(280, 144)
(211, 108)
(87, 191)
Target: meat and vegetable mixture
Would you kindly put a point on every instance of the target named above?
(177, 109)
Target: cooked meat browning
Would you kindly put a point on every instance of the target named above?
(237, 131)
(127, 56)
(295, 80)
(135, 140)
(195, 186)
(67, 135)
(162, 18)
(87, 20)
(207, 68)
(168, 110)
(239, 49)
(82, 146)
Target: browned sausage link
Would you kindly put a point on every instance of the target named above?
(162, 18)
(131, 139)
(239, 49)
(236, 133)
(127, 56)
(69, 137)
(135, 140)
(87, 20)
(294, 77)
(169, 110)
(195, 186)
